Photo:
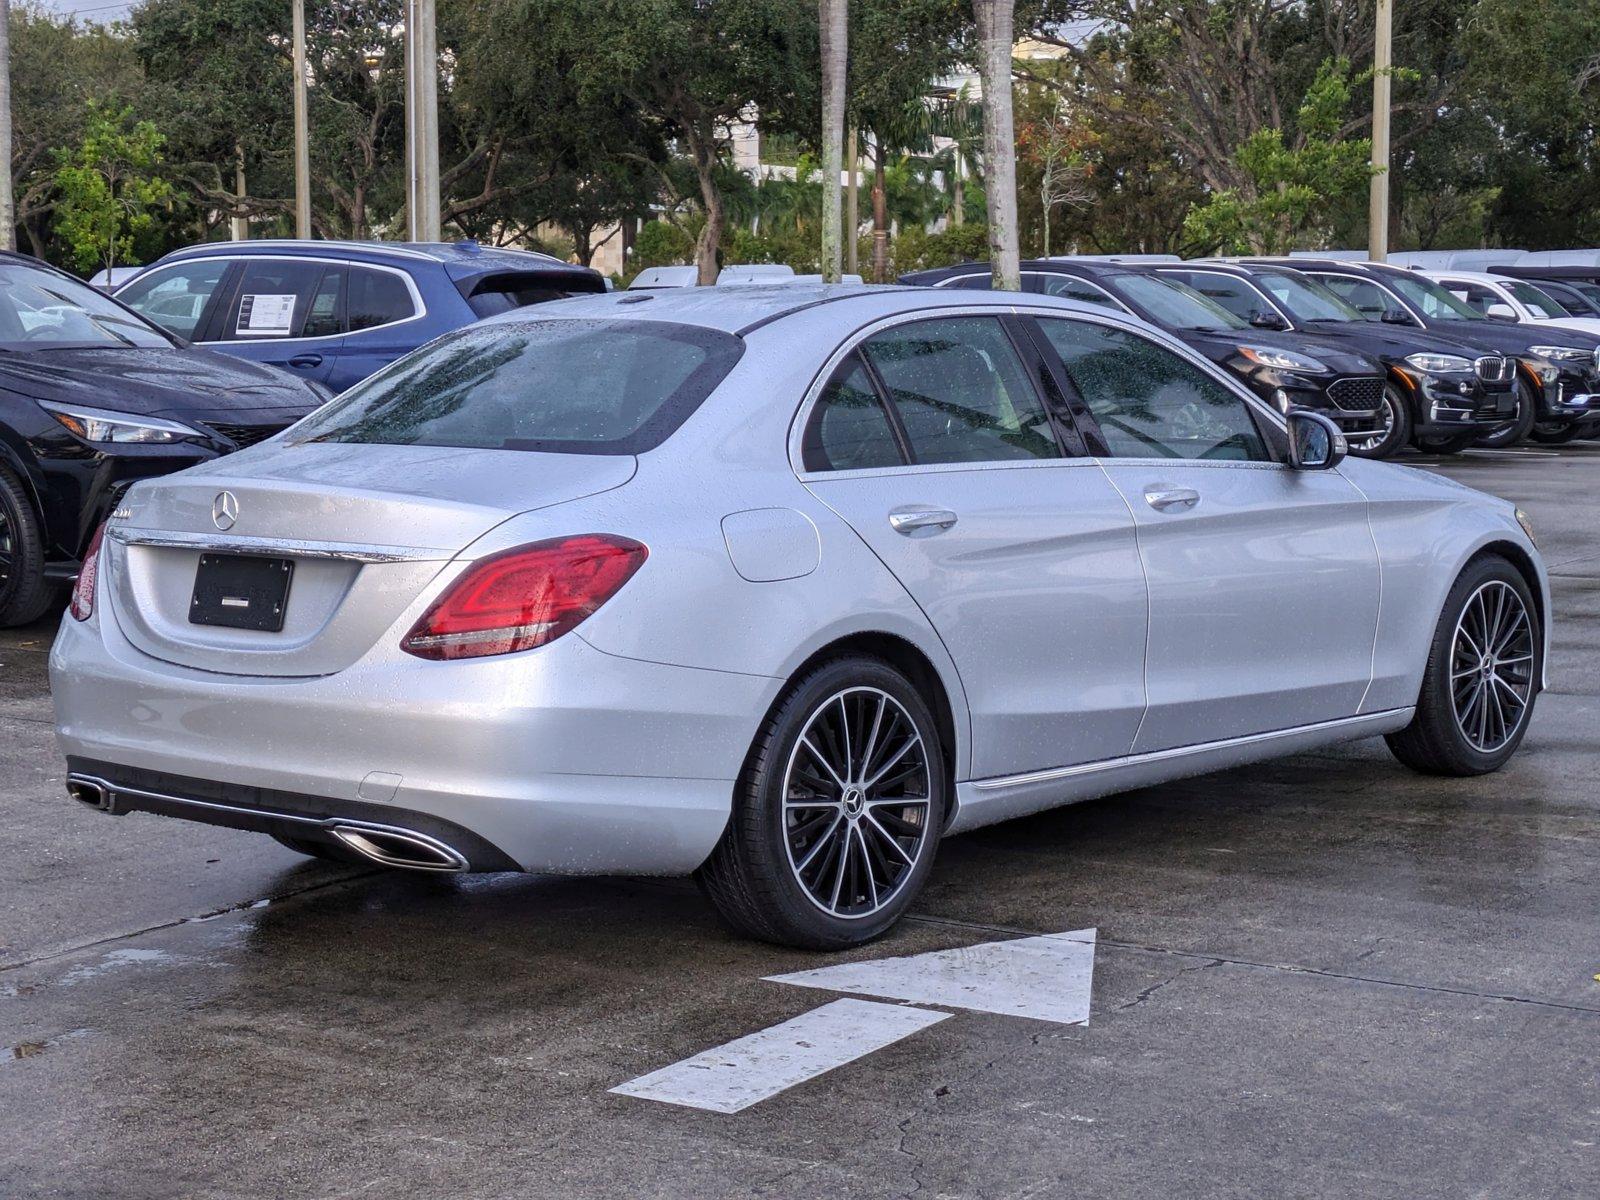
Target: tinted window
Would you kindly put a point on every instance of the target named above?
(1069, 288)
(377, 298)
(961, 392)
(849, 429)
(272, 300)
(1570, 298)
(322, 318)
(175, 297)
(1226, 291)
(973, 283)
(1149, 402)
(582, 387)
(502, 293)
(1365, 297)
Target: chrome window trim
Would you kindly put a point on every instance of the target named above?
(360, 552)
(1096, 316)
(998, 782)
(419, 310)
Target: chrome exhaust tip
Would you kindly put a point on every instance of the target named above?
(93, 792)
(400, 848)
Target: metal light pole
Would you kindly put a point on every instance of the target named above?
(8, 209)
(1378, 210)
(302, 136)
(422, 122)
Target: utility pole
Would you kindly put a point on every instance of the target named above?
(302, 134)
(422, 122)
(1378, 209)
(8, 208)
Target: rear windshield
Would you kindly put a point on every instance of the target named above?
(501, 293)
(569, 386)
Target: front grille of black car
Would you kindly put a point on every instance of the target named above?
(1493, 369)
(246, 435)
(1357, 394)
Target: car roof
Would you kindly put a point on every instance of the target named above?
(1468, 276)
(742, 310)
(456, 257)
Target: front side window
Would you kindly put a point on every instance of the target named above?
(175, 297)
(960, 392)
(1149, 402)
(849, 429)
(1226, 291)
(42, 309)
(1366, 297)
(1570, 298)
(1473, 294)
(1537, 301)
(1431, 300)
(1176, 305)
(568, 386)
(1305, 299)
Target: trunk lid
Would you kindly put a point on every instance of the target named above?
(367, 527)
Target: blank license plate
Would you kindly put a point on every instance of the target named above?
(241, 591)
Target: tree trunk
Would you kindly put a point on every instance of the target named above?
(852, 208)
(241, 222)
(996, 33)
(835, 34)
(703, 148)
(880, 213)
(958, 210)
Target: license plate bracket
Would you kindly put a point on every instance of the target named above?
(241, 591)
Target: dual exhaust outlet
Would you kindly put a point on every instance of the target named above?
(387, 845)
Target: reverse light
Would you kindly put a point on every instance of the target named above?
(95, 425)
(1440, 364)
(524, 597)
(1281, 360)
(88, 574)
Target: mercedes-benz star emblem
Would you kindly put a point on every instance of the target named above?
(224, 510)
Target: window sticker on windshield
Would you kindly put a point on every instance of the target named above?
(266, 315)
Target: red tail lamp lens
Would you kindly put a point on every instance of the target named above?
(525, 597)
(88, 573)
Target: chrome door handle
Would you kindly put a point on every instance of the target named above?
(1171, 499)
(912, 520)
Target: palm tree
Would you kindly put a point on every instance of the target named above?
(996, 33)
(834, 15)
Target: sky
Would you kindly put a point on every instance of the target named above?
(92, 10)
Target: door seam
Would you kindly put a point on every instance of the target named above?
(1149, 614)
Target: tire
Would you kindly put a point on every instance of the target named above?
(799, 874)
(1456, 731)
(1397, 427)
(25, 593)
(1453, 443)
(1519, 426)
(328, 851)
(1554, 435)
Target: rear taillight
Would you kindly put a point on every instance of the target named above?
(83, 590)
(522, 598)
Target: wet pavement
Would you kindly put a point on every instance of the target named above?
(1319, 977)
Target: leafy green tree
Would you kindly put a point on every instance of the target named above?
(109, 187)
(1286, 190)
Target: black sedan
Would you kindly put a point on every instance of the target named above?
(1288, 370)
(1558, 387)
(92, 398)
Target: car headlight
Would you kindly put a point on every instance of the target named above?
(1546, 370)
(1561, 353)
(1281, 360)
(1440, 364)
(95, 425)
(1527, 526)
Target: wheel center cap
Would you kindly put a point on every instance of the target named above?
(854, 801)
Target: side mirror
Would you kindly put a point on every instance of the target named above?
(1315, 442)
(1262, 319)
(1500, 311)
(1395, 316)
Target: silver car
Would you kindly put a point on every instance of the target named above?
(777, 586)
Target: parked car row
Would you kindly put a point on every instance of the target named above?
(1391, 356)
(777, 586)
(211, 349)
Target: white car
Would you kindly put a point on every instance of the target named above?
(1508, 299)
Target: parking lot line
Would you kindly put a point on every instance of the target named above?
(742, 1072)
(1046, 978)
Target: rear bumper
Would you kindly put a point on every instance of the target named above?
(561, 759)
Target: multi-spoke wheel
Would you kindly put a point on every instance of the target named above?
(855, 802)
(1482, 676)
(24, 591)
(838, 814)
(1391, 429)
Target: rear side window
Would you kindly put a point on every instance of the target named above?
(576, 387)
(849, 429)
(960, 391)
(377, 298)
(273, 299)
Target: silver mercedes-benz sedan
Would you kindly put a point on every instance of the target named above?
(778, 587)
